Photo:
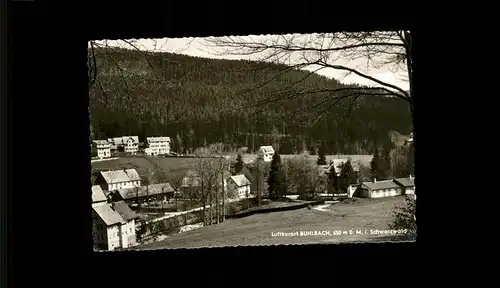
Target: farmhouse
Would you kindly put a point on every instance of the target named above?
(113, 226)
(158, 146)
(98, 196)
(238, 186)
(118, 179)
(153, 192)
(407, 184)
(266, 152)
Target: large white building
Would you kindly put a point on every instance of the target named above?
(103, 148)
(158, 146)
(266, 152)
(130, 144)
(118, 179)
(113, 226)
(238, 186)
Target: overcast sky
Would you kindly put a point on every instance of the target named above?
(196, 47)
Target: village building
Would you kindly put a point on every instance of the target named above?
(103, 148)
(407, 184)
(153, 192)
(118, 179)
(158, 146)
(98, 196)
(386, 188)
(113, 226)
(130, 144)
(238, 186)
(378, 189)
(266, 152)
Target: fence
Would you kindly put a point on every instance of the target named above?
(169, 225)
(275, 209)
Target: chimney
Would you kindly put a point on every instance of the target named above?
(411, 177)
(112, 205)
(374, 180)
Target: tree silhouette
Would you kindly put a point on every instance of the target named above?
(238, 166)
(321, 154)
(276, 178)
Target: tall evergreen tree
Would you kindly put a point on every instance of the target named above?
(385, 162)
(410, 160)
(275, 180)
(374, 165)
(238, 166)
(321, 154)
(347, 176)
(333, 180)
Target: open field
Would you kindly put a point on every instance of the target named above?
(168, 163)
(173, 163)
(360, 214)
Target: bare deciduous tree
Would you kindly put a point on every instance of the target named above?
(328, 51)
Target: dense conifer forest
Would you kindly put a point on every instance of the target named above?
(198, 101)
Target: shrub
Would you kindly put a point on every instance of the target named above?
(404, 217)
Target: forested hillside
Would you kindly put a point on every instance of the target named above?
(197, 101)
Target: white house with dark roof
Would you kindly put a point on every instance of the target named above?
(378, 189)
(103, 148)
(113, 226)
(98, 196)
(266, 152)
(408, 184)
(158, 146)
(118, 179)
(387, 188)
(238, 186)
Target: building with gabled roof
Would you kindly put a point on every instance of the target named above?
(118, 179)
(266, 152)
(407, 184)
(98, 196)
(387, 188)
(159, 191)
(238, 186)
(130, 144)
(113, 226)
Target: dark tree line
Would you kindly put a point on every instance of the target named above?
(197, 101)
